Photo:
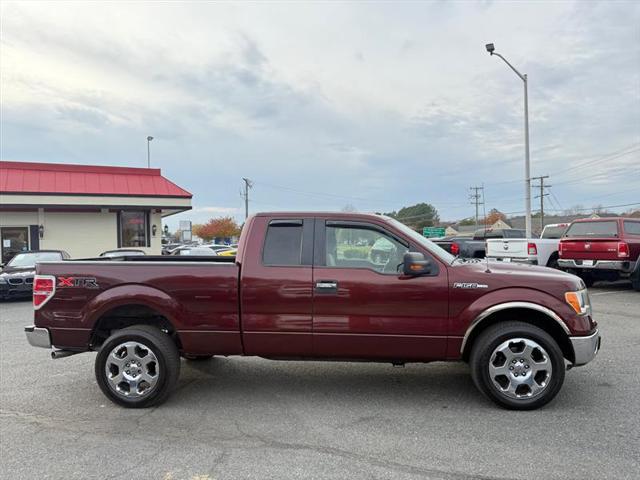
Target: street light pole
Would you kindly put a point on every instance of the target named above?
(527, 170)
(149, 138)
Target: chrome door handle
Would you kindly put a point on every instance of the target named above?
(327, 286)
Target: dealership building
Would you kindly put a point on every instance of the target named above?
(84, 209)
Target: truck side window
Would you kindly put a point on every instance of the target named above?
(352, 247)
(632, 227)
(283, 244)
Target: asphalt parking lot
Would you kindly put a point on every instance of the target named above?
(250, 418)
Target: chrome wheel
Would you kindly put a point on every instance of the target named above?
(132, 369)
(520, 368)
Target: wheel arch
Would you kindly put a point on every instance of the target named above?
(130, 305)
(532, 313)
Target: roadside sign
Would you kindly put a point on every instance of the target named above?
(432, 232)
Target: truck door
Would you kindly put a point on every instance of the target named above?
(276, 288)
(363, 307)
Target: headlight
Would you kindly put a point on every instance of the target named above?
(579, 301)
(2, 280)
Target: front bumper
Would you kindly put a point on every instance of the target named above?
(624, 266)
(586, 348)
(38, 337)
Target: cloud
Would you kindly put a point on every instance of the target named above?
(384, 106)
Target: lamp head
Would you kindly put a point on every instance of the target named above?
(149, 138)
(490, 48)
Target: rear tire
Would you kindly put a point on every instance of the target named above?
(553, 262)
(517, 365)
(635, 279)
(588, 279)
(138, 366)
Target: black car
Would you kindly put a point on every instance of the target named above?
(16, 277)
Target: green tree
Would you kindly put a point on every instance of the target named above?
(417, 216)
(467, 221)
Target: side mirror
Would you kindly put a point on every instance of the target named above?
(415, 264)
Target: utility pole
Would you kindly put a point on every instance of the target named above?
(475, 199)
(541, 197)
(247, 185)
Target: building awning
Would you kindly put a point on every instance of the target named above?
(26, 185)
(56, 179)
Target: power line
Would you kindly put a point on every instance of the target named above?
(610, 156)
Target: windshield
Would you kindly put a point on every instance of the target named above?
(419, 239)
(30, 259)
(553, 232)
(593, 229)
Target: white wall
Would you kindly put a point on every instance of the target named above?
(80, 234)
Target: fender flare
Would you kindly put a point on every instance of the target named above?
(132, 294)
(506, 306)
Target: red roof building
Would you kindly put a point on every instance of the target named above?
(84, 209)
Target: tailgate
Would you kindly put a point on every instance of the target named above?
(507, 248)
(590, 249)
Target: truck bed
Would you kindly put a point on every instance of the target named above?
(198, 296)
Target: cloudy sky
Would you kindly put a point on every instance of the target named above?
(376, 105)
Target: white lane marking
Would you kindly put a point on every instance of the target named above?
(607, 293)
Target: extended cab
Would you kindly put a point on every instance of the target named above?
(602, 249)
(303, 286)
(535, 251)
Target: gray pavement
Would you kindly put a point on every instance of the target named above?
(246, 418)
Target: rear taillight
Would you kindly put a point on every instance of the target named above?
(455, 249)
(560, 249)
(623, 250)
(44, 287)
(532, 249)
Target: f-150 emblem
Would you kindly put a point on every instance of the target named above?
(469, 285)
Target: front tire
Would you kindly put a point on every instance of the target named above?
(517, 365)
(138, 366)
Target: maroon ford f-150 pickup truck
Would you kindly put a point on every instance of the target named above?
(304, 286)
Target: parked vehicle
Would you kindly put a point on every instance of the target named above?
(169, 247)
(122, 252)
(601, 249)
(475, 247)
(218, 248)
(534, 251)
(447, 243)
(292, 293)
(232, 252)
(201, 251)
(16, 277)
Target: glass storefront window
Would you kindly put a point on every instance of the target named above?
(134, 228)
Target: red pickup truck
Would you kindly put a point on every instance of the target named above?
(304, 286)
(602, 249)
